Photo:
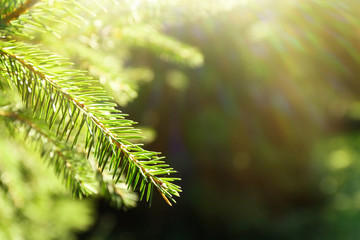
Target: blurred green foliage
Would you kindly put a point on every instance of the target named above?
(34, 203)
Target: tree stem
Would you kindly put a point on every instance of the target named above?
(17, 12)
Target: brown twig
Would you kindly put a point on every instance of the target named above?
(17, 12)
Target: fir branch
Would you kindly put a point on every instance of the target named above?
(71, 176)
(17, 12)
(118, 193)
(68, 93)
(77, 172)
(166, 47)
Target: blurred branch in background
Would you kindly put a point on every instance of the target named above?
(33, 200)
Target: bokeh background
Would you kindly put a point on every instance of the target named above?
(264, 134)
(259, 111)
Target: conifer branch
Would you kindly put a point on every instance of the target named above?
(17, 12)
(55, 152)
(77, 172)
(77, 100)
